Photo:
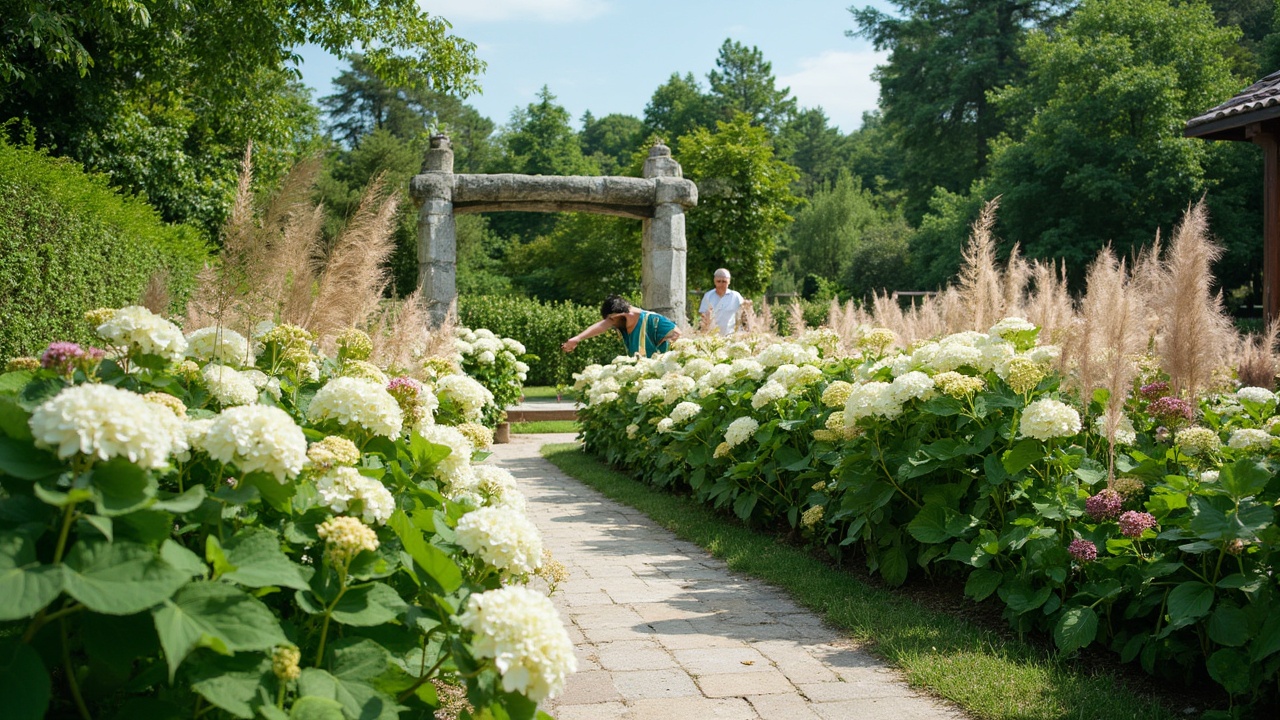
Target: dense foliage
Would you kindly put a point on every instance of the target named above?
(69, 243)
(258, 531)
(498, 364)
(967, 458)
(541, 328)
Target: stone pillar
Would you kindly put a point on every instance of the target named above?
(662, 275)
(437, 235)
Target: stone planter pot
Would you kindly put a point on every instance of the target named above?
(502, 433)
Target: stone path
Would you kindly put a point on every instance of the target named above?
(664, 630)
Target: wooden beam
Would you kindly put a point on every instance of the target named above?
(1270, 219)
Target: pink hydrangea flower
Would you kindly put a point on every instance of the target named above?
(1134, 523)
(1082, 550)
(1106, 505)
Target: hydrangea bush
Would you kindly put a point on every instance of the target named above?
(212, 526)
(499, 364)
(967, 457)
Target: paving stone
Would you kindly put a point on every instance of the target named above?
(634, 655)
(592, 686)
(594, 711)
(691, 708)
(834, 691)
(643, 684)
(741, 684)
(781, 707)
(708, 661)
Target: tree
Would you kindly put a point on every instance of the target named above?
(611, 140)
(815, 149)
(168, 94)
(945, 56)
(743, 195)
(826, 232)
(1104, 160)
(743, 83)
(677, 108)
(584, 258)
(538, 141)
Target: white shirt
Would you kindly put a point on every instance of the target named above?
(724, 309)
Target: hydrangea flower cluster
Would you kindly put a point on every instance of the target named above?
(137, 329)
(468, 395)
(1046, 419)
(1082, 551)
(417, 402)
(354, 402)
(518, 628)
(229, 386)
(345, 537)
(1106, 505)
(458, 462)
(1250, 440)
(1171, 411)
(340, 487)
(1134, 523)
(1197, 441)
(220, 345)
(104, 422)
(333, 451)
(740, 430)
(257, 437)
(503, 537)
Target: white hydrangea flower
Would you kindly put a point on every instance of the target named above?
(220, 345)
(740, 430)
(352, 401)
(458, 462)
(503, 537)
(1250, 440)
(769, 392)
(104, 422)
(229, 386)
(787, 353)
(869, 399)
(697, 367)
(995, 353)
(1261, 396)
(746, 367)
(684, 411)
(632, 429)
(602, 398)
(714, 379)
(1044, 354)
(1125, 432)
(340, 486)
(486, 357)
(664, 425)
(1209, 476)
(498, 487)
(257, 437)
(1046, 419)
(651, 390)
(263, 381)
(469, 395)
(955, 355)
(138, 328)
(676, 386)
(196, 430)
(914, 385)
(520, 630)
(1011, 325)
(515, 346)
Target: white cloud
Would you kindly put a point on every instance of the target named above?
(839, 81)
(552, 11)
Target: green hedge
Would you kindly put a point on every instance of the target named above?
(542, 327)
(69, 243)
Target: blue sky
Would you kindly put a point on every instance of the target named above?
(608, 56)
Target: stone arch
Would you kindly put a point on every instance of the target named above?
(658, 200)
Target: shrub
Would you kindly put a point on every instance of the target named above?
(69, 243)
(541, 328)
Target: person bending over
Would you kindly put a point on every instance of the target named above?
(642, 332)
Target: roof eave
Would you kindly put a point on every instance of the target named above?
(1232, 127)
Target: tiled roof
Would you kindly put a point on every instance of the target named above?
(1263, 94)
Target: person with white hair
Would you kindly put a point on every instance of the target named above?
(720, 306)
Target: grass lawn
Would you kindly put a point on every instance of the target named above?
(989, 674)
(542, 392)
(545, 426)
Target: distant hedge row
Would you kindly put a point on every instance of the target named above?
(69, 243)
(542, 327)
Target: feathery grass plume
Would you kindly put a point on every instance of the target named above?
(399, 333)
(1050, 306)
(1113, 339)
(834, 314)
(795, 318)
(954, 313)
(1016, 276)
(768, 325)
(707, 322)
(1256, 359)
(980, 286)
(350, 286)
(1148, 274)
(924, 320)
(1195, 333)
(291, 225)
(887, 313)
(156, 297)
(218, 297)
(750, 321)
(440, 341)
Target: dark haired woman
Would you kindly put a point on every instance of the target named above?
(642, 331)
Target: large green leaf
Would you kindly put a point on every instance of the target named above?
(23, 460)
(1244, 478)
(433, 561)
(26, 586)
(239, 684)
(1229, 667)
(217, 616)
(366, 605)
(276, 494)
(1267, 641)
(1229, 626)
(930, 524)
(24, 683)
(1021, 456)
(13, 418)
(316, 708)
(1076, 628)
(119, 578)
(982, 583)
(186, 502)
(259, 561)
(1189, 602)
(358, 699)
(893, 565)
(120, 487)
